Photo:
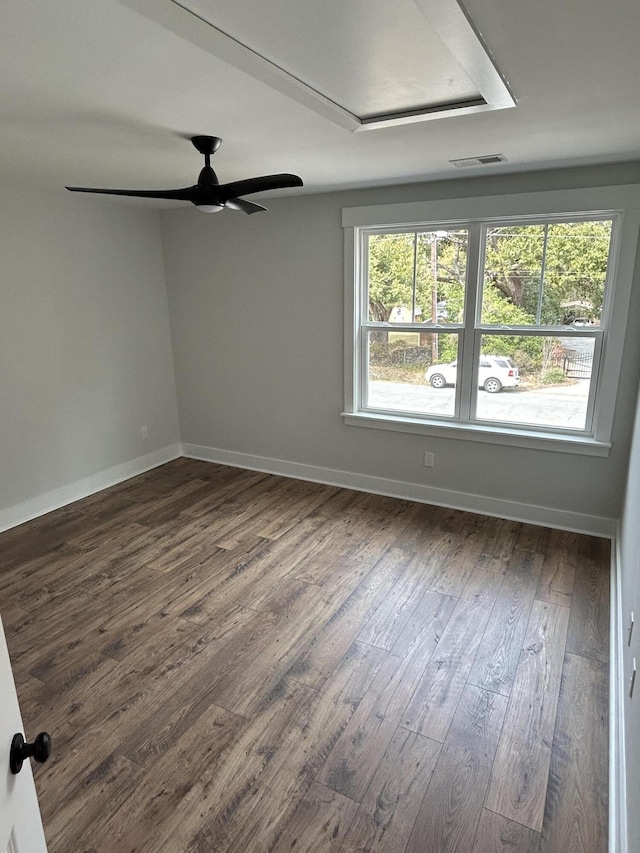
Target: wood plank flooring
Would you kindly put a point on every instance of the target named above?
(236, 662)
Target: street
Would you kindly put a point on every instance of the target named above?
(556, 406)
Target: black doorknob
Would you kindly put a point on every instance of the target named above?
(40, 749)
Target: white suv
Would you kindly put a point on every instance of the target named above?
(496, 372)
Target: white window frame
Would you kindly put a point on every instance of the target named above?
(622, 204)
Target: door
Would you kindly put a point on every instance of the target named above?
(20, 822)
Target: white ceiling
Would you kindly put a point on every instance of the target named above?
(103, 93)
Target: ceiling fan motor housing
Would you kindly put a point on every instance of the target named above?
(208, 177)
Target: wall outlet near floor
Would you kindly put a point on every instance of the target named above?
(144, 432)
(429, 459)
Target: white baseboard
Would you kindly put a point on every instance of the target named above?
(25, 511)
(529, 513)
(618, 839)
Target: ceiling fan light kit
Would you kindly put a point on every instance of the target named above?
(208, 194)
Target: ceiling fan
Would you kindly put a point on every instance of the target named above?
(208, 194)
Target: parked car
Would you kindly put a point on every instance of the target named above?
(496, 372)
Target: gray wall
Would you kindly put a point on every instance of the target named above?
(256, 307)
(85, 347)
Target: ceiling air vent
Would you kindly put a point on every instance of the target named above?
(484, 160)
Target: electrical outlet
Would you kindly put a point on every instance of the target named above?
(429, 459)
(144, 432)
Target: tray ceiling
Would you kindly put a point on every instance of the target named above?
(365, 64)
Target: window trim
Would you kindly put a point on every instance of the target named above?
(621, 202)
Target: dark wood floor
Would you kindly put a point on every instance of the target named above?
(230, 661)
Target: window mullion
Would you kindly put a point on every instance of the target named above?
(465, 396)
(591, 425)
(415, 277)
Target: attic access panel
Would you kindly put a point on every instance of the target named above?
(363, 63)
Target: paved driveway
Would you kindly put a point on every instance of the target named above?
(560, 406)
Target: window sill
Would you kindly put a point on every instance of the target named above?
(581, 445)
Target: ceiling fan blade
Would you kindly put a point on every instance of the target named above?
(257, 185)
(186, 194)
(244, 205)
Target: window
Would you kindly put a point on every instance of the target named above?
(495, 327)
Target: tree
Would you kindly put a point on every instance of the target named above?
(535, 274)
(390, 274)
(544, 269)
(500, 312)
(403, 268)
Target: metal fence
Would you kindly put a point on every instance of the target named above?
(575, 365)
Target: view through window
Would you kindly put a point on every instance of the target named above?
(496, 322)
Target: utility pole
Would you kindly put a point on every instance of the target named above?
(434, 295)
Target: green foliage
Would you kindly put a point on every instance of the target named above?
(553, 376)
(574, 256)
(448, 350)
(390, 274)
(401, 273)
(525, 351)
(418, 269)
(426, 270)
